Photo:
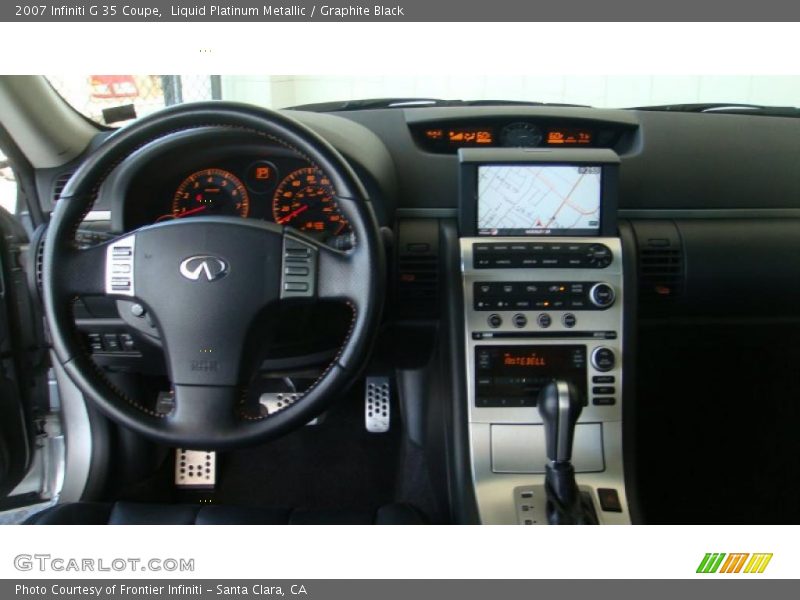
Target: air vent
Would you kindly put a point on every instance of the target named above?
(418, 286)
(59, 185)
(34, 261)
(661, 270)
(417, 276)
(40, 264)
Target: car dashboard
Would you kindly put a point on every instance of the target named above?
(706, 226)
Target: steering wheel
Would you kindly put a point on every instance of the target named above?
(186, 272)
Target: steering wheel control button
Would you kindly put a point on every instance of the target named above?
(495, 321)
(602, 295)
(95, 342)
(544, 320)
(128, 345)
(377, 404)
(603, 359)
(111, 342)
(119, 266)
(299, 269)
(520, 320)
(569, 320)
(295, 286)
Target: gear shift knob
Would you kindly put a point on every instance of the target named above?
(560, 404)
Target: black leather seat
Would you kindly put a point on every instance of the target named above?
(129, 513)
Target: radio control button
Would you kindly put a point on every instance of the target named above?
(520, 320)
(604, 390)
(602, 295)
(600, 256)
(494, 321)
(604, 400)
(569, 320)
(603, 359)
(544, 320)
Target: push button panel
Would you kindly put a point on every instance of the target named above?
(541, 255)
(542, 295)
(110, 342)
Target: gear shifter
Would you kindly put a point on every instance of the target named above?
(560, 404)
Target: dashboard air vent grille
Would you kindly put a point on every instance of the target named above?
(59, 184)
(660, 272)
(418, 286)
(417, 270)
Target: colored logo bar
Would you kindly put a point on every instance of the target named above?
(737, 562)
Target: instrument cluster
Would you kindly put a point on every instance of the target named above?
(286, 190)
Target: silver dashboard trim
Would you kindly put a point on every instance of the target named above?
(77, 435)
(494, 492)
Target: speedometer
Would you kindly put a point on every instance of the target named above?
(305, 200)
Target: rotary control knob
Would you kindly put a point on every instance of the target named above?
(599, 256)
(603, 359)
(602, 295)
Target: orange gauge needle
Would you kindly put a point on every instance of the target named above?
(292, 214)
(191, 212)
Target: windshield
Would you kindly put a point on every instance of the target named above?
(114, 99)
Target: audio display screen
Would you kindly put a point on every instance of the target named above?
(539, 199)
(509, 376)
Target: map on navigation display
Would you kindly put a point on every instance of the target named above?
(538, 200)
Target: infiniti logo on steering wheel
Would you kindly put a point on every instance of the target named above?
(210, 267)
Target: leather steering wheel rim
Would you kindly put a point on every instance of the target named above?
(248, 248)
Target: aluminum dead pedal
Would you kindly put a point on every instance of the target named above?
(195, 469)
(377, 400)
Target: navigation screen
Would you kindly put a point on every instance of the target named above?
(531, 200)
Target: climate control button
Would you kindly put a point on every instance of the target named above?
(494, 321)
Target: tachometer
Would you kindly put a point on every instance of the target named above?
(211, 192)
(305, 200)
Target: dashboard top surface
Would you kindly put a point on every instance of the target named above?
(669, 160)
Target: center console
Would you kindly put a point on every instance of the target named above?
(543, 296)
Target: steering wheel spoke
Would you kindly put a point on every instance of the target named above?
(205, 410)
(83, 272)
